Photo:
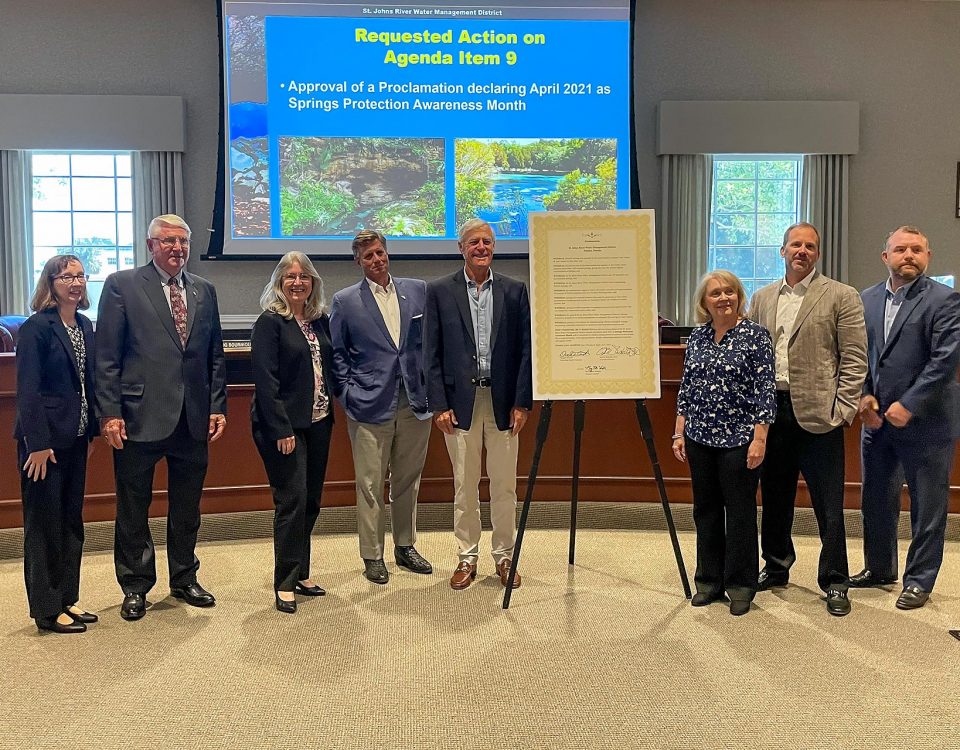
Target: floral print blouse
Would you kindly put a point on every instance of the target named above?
(729, 387)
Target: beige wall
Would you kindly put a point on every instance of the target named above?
(898, 58)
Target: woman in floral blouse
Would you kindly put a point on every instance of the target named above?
(727, 401)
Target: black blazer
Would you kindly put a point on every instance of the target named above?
(283, 374)
(144, 373)
(450, 350)
(48, 383)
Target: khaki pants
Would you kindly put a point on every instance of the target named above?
(465, 447)
(399, 445)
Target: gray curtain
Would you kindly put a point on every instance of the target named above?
(15, 245)
(685, 191)
(157, 189)
(824, 202)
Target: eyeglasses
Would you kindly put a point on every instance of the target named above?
(69, 278)
(172, 241)
(297, 277)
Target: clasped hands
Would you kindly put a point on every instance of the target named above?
(896, 414)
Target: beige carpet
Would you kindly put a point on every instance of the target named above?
(604, 655)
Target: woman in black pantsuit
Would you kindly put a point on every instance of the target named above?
(55, 422)
(292, 415)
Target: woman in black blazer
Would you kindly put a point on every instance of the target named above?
(55, 422)
(292, 415)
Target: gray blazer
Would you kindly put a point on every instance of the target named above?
(827, 351)
(144, 374)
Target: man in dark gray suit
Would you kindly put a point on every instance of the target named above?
(161, 392)
(911, 416)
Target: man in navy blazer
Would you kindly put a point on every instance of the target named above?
(479, 384)
(376, 331)
(161, 392)
(911, 416)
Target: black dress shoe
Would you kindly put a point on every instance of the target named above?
(409, 558)
(767, 580)
(308, 590)
(837, 602)
(51, 624)
(195, 595)
(912, 598)
(703, 598)
(739, 607)
(375, 571)
(867, 578)
(285, 606)
(134, 606)
(84, 617)
(955, 634)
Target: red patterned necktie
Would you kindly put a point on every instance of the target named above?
(179, 310)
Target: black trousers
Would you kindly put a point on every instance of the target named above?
(792, 450)
(53, 530)
(134, 468)
(297, 483)
(725, 514)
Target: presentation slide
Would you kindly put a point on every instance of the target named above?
(411, 119)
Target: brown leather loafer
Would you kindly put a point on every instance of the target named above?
(503, 569)
(463, 576)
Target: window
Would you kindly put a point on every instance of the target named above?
(82, 204)
(754, 200)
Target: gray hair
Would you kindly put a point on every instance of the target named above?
(471, 224)
(273, 299)
(169, 220)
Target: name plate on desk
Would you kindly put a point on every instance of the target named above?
(593, 296)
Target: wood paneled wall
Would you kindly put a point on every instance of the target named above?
(614, 464)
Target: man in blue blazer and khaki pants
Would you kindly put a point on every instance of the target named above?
(479, 385)
(911, 416)
(376, 331)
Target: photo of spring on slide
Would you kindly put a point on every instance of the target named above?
(337, 186)
(502, 180)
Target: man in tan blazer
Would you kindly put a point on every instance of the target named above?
(820, 347)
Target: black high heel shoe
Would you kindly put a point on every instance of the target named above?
(285, 606)
(308, 590)
(51, 624)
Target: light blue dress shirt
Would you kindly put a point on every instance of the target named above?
(481, 313)
(892, 306)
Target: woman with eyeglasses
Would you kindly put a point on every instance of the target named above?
(55, 422)
(292, 415)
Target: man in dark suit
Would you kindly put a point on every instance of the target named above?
(376, 330)
(479, 385)
(161, 392)
(911, 416)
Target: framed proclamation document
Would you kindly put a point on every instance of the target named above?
(593, 295)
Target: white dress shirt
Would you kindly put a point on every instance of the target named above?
(788, 305)
(165, 283)
(389, 304)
